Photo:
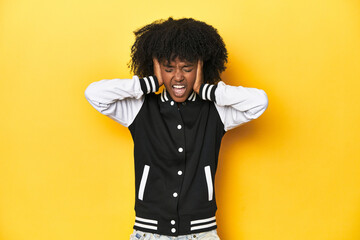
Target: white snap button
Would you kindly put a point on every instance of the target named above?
(173, 230)
(179, 126)
(172, 103)
(175, 194)
(180, 149)
(180, 172)
(172, 222)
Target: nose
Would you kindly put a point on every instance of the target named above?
(178, 75)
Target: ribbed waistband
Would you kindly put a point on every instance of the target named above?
(175, 226)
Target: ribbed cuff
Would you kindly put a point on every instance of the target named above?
(207, 92)
(149, 84)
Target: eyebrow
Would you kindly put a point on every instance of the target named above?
(170, 66)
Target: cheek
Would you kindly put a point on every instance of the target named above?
(191, 78)
(166, 78)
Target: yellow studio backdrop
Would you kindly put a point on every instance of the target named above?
(67, 171)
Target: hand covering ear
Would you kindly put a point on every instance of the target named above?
(199, 76)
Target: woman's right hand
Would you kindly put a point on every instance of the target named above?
(157, 71)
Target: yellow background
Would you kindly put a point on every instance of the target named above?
(67, 171)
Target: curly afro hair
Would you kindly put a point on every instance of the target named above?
(185, 38)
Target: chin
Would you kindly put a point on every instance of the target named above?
(177, 99)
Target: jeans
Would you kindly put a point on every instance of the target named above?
(139, 235)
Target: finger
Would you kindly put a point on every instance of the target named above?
(157, 70)
(156, 65)
(156, 62)
(199, 70)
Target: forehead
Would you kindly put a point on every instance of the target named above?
(177, 61)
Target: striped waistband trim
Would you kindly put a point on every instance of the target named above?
(140, 222)
(202, 223)
(196, 224)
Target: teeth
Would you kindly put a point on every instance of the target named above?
(178, 86)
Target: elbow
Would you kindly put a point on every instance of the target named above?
(89, 92)
(264, 101)
(260, 106)
(91, 97)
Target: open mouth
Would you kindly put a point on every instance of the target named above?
(178, 90)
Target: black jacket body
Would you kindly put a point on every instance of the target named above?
(180, 145)
(176, 146)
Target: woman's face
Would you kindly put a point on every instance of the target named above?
(179, 78)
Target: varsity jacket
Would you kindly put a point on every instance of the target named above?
(176, 147)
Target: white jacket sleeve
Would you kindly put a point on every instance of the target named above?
(120, 99)
(235, 104)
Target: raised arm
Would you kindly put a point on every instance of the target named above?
(120, 99)
(235, 104)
